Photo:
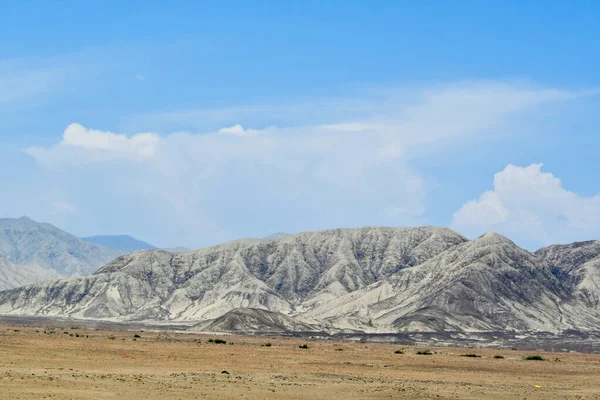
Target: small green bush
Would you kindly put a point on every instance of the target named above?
(472, 355)
(112, 337)
(499, 356)
(220, 341)
(534, 358)
(398, 352)
(304, 346)
(266, 345)
(424, 353)
(137, 336)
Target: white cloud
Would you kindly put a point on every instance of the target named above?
(81, 145)
(342, 171)
(238, 130)
(531, 207)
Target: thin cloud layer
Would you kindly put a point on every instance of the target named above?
(532, 207)
(346, 172)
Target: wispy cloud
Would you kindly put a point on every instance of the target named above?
(355, 168)
(20, 82)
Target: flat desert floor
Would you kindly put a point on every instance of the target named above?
(38, 363)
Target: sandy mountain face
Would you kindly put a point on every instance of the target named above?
(123, 243)
(369, 279)
(32, 252)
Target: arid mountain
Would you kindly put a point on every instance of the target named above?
(368, 279)
(285, 275)
(32, 252)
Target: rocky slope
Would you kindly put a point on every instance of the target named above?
(369, 279)
(577, 265)
(31, 252)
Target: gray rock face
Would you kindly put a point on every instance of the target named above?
(368, 279)
(31, 252)
(577, 265)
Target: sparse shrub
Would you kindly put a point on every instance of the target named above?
(534, 358)
(220, 341)
(399, 352)
(66, 333)
(499, 356)
(134, 339)
(424, 353)
(211, 340)
(137, 336)
(304, 346)
(266, 345)
(339, 349)
(111, 337)
(70, 334)
(472, 355)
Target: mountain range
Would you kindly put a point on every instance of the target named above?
(373, 279)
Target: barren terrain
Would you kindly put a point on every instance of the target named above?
(65, 363)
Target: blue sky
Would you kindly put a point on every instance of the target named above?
(211, 121)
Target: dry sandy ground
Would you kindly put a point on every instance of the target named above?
(111, 365)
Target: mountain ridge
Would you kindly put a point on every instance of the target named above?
(371, 279)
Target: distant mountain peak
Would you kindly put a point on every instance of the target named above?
(493, 238)
(31, 252)
(277, 235)
(124, 243)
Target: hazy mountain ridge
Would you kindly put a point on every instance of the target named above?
(32, 252)
(373, 279)
(123, 243)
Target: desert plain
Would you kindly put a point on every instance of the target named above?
(75, 363)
